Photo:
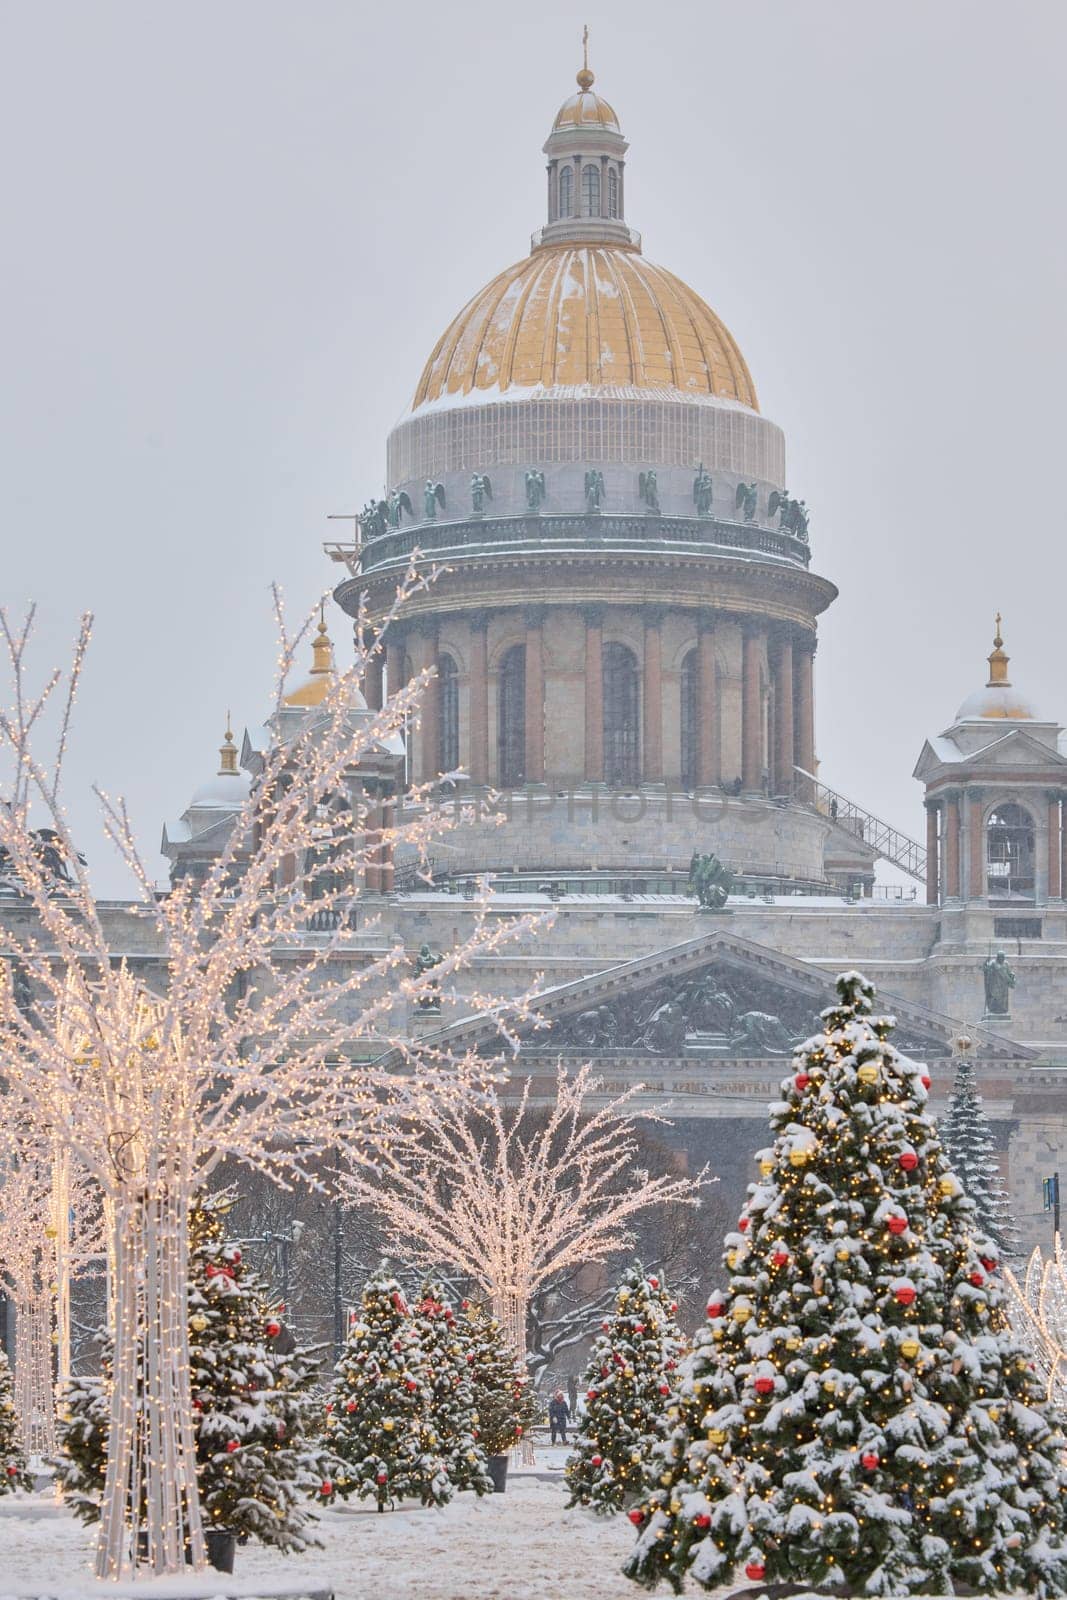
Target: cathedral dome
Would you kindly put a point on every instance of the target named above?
(998, 700)
(586, 110)
(579, 317)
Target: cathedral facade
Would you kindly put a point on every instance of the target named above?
(622, 648)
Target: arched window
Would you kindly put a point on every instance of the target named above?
(1010, 853)
(688, 720)
(566, 191)
(448, 721)
(511, 718)
(590, 190)
(622, 746)
(613, 192)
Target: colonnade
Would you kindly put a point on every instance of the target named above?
(956, 851)
(777, 722)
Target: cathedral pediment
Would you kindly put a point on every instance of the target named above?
(716, 998)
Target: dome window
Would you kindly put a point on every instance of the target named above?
(590, 190)
(448, 688)
(613, 192)
(622, 747)
(688, 720)
(1010, 853)
(566, 191)
(511, 718)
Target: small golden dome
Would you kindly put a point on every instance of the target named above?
(313, 692)
(998, 700)
(586, 316)
(585, 109)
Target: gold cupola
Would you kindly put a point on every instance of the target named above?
(313, 691)
(998, 700)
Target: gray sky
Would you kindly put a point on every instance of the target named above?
(232, 234)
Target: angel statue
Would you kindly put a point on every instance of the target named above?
(745, 500)
(481, 491)
(648, 489)
(800, 519)
(702, 492)
(535, 489)
(399, 502)
(709, 881)
(433, 496)
(594, 489)
(780, 502)
(374, 519)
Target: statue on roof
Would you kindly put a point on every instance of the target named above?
(792, 514)
(745, 501)
(702, 491)
(648, 489)
(374, 519)
(535, 489)
(594, 489)
(481, 491)
(999, 981)
(432, 496)
(425, 961)
(709, 881)
(399, 502)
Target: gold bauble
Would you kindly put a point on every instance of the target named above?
(868, 1072)
(793, 1344)
(829, 1386)
(665, 1478)
(636, 1456)
(842, 1255)
(387, 1425)
(741, 1313)
(798, 1156)
(717, 1436)
(910, 1348)
(198, 1323)
(766, 1168)
(947, 1186)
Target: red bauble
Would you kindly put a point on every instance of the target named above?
(590, 1394)
(714, 1308)
(273, 1329)
(905, 1294)
(210, 1270)
(383, 1477)
(595, 1460)
(410, 1385)
(329, 1405)
(780, 1258)
(743, 1224)
(654, 1282)
(701, 1520)
(674, 1307)
(350, 1405)
(870, 1460)
(926, 1080)
(802, 1080)
(896, 1224)
(636, 1517)
(977, 1278)
(989, 1263)
(12, 1472)
(280, 1430)
(908, 1160)
(234, 1444)
(235, 1255)
(326, 1487)
(664, 1388)
(764, 1385)
(756, 1571)
(639, 1327)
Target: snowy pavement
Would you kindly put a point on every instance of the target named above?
(522, 1545)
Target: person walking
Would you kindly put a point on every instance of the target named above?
(558, 1416)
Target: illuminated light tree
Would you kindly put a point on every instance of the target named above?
(855, 1412)
(510, 1197)
(971, 1151)
(255, 1415)
(1037, 1307)
(254, 1050)
(503, 1394)
(449, 1380)
(629, 1382)
(379, 1414)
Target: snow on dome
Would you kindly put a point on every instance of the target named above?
(224, 791)
(998, 701)
(586, 110)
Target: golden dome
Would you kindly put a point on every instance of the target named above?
(580, 316)
(314, 689)
(586, 110)
(998, 700)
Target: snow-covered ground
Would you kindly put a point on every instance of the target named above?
(522, 1545)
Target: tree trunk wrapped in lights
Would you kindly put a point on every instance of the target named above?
(629, 1381)
(510, 1197)
(856, 1412)
(240, 1055)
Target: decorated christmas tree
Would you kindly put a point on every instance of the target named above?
(378, 1415)
(452, 1409)
(971, 1152)
(856, 1413)
(254, 1414)
(630, 1377)
(503, 1396)
(13, 1471)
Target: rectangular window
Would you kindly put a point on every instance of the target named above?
(1016, 927)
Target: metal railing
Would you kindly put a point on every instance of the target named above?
(885, 840)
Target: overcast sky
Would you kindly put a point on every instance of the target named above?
(232, 234)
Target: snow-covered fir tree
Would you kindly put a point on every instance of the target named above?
(254, 1412)
(971, 1151)
(628, 1382)
(378, 1414)
(452, 1409)
(503, 1396)
(856, 1413)
(13, 1471)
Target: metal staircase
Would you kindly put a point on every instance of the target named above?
(886, 841)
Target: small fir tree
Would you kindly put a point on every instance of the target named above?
(971, 1150)
(253, 1407)
(378, 1415)
(503, 1396)
(14, 1473)
(453, 1412)
(629, 1381)
(856, 1413)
